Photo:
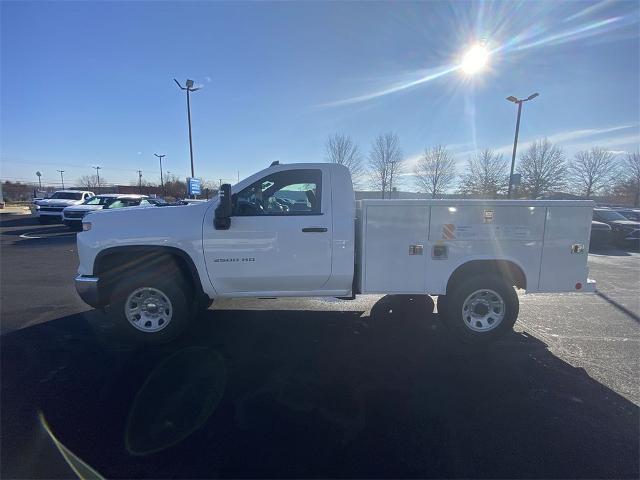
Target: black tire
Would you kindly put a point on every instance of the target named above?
(459, 324)
(171, 286)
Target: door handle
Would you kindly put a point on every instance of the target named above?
(314, 229)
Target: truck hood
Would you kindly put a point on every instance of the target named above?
(138, 219)
(57, 202)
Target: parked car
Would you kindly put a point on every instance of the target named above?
(73, 215)
(155, 267)
(624, 232)
(600, 235)
(629, 213)
(50, 209)
(157, 201)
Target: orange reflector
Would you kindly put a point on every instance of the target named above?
(578, 286)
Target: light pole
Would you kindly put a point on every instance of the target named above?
(39, 182)
(139, 181)
(189, 88)
(98, 175)
(515, 140)
(164, 193)
(61, 177)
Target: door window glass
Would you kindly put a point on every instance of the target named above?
(292, 192)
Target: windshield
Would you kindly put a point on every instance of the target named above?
(124, 202)
(630, 215)
(67, 195)
(608, 215)
(99, 200)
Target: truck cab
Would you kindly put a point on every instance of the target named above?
(291, 234)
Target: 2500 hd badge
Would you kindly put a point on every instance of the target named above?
(244, 259)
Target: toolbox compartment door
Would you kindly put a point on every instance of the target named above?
(394, 248)
(565, 249)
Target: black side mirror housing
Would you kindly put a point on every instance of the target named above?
(222, 217)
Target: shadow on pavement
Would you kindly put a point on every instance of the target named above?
(306, 394)
(10, 220)
(619, 306)
(612, 251)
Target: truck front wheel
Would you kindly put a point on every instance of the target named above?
(481, 309)
(150, 308)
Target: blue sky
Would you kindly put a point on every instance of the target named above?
(91, 83)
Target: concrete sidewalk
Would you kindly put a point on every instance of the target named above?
(15, 210)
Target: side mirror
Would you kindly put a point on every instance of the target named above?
(222, 217)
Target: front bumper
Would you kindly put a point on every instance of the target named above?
(87, 288)
(49, 213)
(73, 223)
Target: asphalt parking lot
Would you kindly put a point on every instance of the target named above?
(313, 387)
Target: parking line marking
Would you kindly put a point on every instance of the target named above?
(26, 235)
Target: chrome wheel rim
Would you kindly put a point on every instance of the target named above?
(483, 310)
(148, 309)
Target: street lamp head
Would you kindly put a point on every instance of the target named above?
(512, 99)
(532, 96)
(189, 84)
(38, 173)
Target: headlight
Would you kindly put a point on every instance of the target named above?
(86, 226)
(37, 207)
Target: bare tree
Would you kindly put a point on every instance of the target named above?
(341, 149)
(631, 183)
(486, 176)
(90, 182)
(435, 171)
(591, 170)
(175, 187)
(543, 169)
(385, 162)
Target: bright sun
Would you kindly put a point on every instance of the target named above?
(474, 60)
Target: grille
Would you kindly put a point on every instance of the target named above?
(74, 214)
(51, 209)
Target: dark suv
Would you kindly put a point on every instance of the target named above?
(624, 231)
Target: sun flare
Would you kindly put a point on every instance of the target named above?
(475, 60)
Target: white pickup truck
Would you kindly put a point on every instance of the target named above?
(296, 230)
(50, 209)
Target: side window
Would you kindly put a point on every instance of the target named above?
(291, 192)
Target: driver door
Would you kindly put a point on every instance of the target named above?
(279, 241)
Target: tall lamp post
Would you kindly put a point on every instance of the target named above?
(98, 175)
(189, 88)
(515, 140)
(39, 181)
(139, 181)
(164, 193)
(61, 177)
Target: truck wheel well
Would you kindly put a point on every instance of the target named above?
(112, 264)
(508, 270)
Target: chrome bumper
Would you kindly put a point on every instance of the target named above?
(87, 288)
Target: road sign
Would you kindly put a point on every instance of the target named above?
(194, 186)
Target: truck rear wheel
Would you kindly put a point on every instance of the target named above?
(151, 308)
(481, 309)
